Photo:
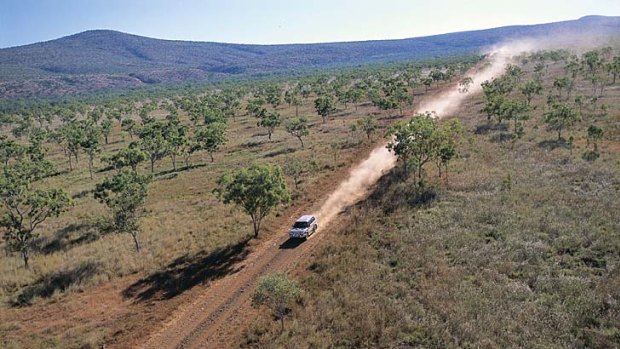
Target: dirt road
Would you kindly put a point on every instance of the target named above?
(215, 318)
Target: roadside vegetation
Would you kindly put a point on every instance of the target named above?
(519, 248)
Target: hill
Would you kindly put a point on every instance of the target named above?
(104, 59)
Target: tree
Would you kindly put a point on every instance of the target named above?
(74, 134)
(257, 190)
(294, 168)
(465, 83)
(255, 106)
(560, 84)
(415, 142)
(560, 117)
(450, 135)
(270, 122)
(211, 137)
(278, 293)
(614, 69)
(324, 106)
(355, 96)
(386, 103)
(153, 141)
(176, 138)
(25, 207)
(124, 193)
(273, 96)
(368, 124)
(131, 156)
(516, 110)
(595, 134)
(129, 126)
(9, 149)
(531, 88)
(91, 144)
(298, 128)
(106, 129)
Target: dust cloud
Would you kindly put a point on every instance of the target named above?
(381, 160)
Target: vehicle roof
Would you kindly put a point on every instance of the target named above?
(305, 218)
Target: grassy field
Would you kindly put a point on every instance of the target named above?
(520, 249)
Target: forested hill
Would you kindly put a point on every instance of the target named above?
(104, 59)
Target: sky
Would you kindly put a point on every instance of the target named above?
(279, 21)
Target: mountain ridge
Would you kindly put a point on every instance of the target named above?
(102, 59)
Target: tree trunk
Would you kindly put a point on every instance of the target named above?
(256, 226)
(211, 154)
(420, 172)
(26, 257)
(90, 167)
(152, 165)
(281, 324)
(174, 161)
(134, 235)
(302, 142)
(296, 110)
(269, 135)
(70, 164)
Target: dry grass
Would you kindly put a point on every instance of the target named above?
(184, 221)
(521, 249)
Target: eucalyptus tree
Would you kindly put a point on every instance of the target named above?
(91, 143)
(153, 141)
(560, 117)
(25, 206)
(257, 189)
(530, 89)
(298, 128)
(106, 129)
(131, 156)
(125, 194)
(270, 121)
(324, 106)
(368, 125)
(210, 137)
(415, 142)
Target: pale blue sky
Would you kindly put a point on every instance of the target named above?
(279, 21)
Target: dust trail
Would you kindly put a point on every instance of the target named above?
(381, 160)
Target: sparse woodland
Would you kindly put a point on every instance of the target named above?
(518, 247)
(497, 228)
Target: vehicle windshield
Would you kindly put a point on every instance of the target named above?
(301, 225)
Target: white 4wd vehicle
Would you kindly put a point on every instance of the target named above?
(304, 226)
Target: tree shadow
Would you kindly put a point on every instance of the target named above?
(280, 152)
(502, 137)
(82, 194)
(57, 173)
(49, 284)
(394, 191)
(291, 243)
(188, 271)
(489, 127)
(391, 117)
(74, 234)
(179, 169)
(554, 144)
(105, 169)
